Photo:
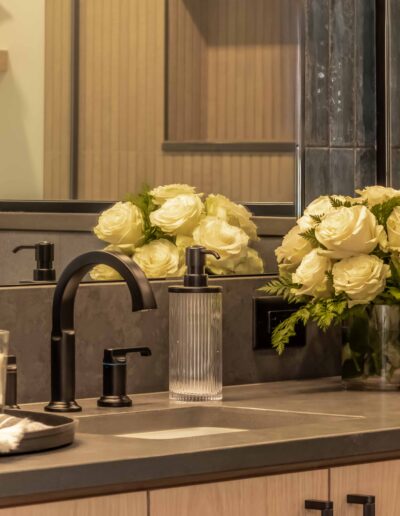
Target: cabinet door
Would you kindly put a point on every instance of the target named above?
(379, 479)
(127, 504)
(278, 495)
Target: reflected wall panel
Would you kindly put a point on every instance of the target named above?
(122, 110)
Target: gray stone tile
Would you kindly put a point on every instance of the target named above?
(365, 172)
(365, 77)
(395, 72)
(317, 73)
(342, 110)
(317, 180)
(342, 171)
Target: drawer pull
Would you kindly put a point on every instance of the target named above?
(326, 508)
(368, 503)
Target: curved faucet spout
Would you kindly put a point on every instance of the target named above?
(63, 332)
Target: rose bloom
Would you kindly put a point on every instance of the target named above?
(393, 229)
(311, 274)
(235, 214)
(121, 224)
(178, 216)
(217, 235)
(377, 194)
(349, 231)
(159, 259)
(163, 193)
(319, 207)
(293, 249)
(361, 277)
(250, 263)
(106, 273)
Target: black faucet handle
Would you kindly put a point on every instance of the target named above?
(118, 355)
(114, 376)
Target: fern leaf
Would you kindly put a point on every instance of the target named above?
(287, 329)
(309, 235)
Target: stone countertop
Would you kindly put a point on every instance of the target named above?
(346, 427)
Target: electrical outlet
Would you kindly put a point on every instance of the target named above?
(268, 312)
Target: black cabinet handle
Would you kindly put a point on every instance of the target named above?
(326, 508)
(368, 503)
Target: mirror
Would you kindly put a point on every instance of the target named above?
(392, 93)
(98, 98)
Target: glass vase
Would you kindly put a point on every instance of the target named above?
(371, 349)
(4, 338)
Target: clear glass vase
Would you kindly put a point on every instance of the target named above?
(4, 338)
(371, 349)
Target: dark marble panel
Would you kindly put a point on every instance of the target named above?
(317, 180)
(342, 109)
(317, 73)
(365, 172)
(395, 72)
(342, 171)
(396, 168)
(365, 72)
(104, 319)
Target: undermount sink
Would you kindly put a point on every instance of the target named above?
(193, 422)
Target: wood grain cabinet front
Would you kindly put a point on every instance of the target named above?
(277, 495)
(373, 489)
(127, 504)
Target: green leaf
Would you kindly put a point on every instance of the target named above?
(395, 268)
(309, 235)
(283, 287)
(287, 328)
(383, 211)
(337, 203)
(317, 218)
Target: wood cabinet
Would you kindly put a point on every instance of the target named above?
(379, 479)
(278, 495)
(127, 504)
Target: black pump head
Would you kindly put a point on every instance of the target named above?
(44, 255)
(196, 264)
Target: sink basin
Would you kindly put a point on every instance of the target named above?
(193, 422)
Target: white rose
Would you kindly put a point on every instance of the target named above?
(121, 224)
(293, 249)
(183, 241)
(163, 193)
(311, 274)
(235, 214)
(249, 264)
(362, 278)
(349, 231)
(159, 259)
(377, 194)
(178, 216)
(217, 235)
(393, 229)
(318, 207)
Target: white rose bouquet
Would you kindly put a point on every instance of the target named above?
(155, 227)
(341, 258)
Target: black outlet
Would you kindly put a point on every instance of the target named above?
(268, 312)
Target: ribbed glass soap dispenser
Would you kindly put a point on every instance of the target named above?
(195, 333)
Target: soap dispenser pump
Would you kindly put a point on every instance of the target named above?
(195, 333)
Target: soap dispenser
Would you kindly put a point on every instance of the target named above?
(195, 333)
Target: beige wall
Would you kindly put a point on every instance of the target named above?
(22, 99)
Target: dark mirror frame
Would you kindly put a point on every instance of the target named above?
(77, 206)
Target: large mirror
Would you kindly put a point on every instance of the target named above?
(99, 98)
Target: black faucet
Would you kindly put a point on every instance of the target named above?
(63, 332)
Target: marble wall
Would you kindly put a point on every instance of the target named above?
(103, 319)
(340, 97)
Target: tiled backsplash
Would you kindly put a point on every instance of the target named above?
(104, 319)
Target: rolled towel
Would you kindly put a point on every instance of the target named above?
(13, 429)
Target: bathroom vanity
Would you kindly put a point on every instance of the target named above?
(264, 450)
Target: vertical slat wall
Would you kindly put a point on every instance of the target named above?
(122, 113)
(57, 99)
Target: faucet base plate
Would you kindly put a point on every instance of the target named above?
(114, 401)
(63, 406)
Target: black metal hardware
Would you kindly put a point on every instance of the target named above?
(44, 255)
(326, 508)
(11, 383)
(63, 331)
(368, 503)
(196, 263)
(114, 376)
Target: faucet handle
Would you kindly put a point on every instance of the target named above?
(114, 376)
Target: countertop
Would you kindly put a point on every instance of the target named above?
(348, 427)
